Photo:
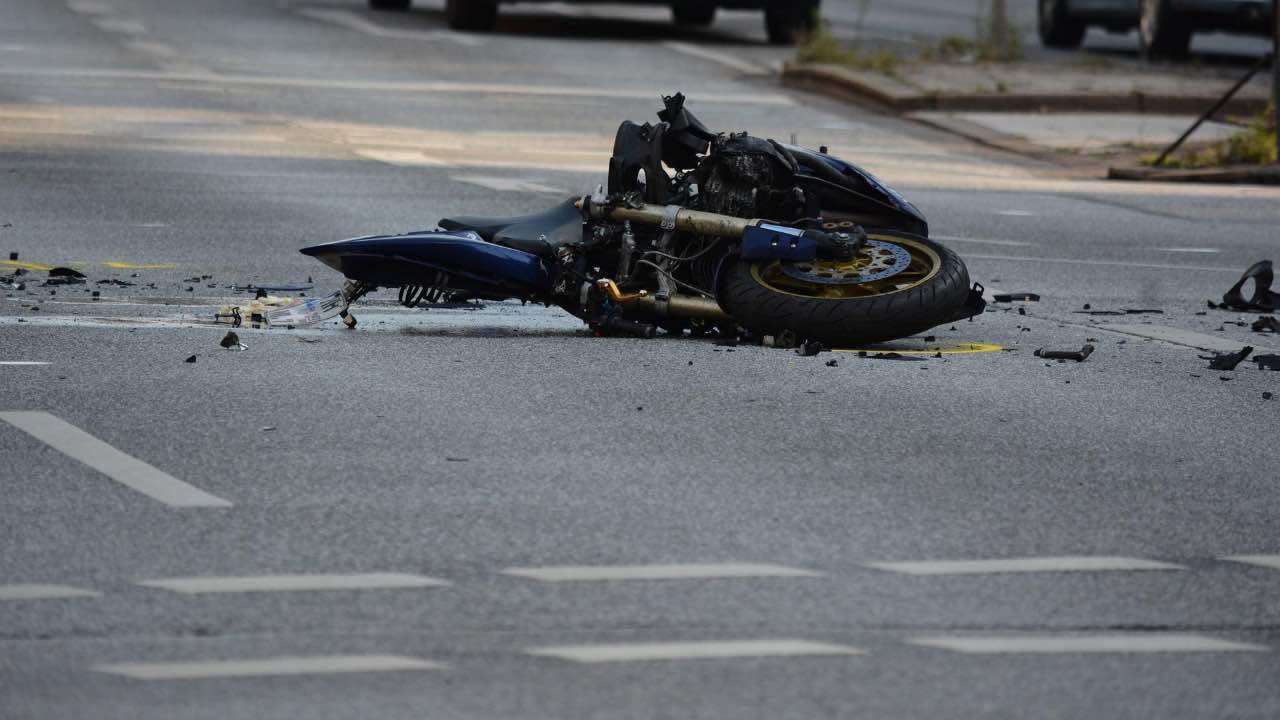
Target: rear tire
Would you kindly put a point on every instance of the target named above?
(846, 321)
(389, 4)
(693, 12)
(1161, 33)
(786, 21)
(475, 15)
(1057, 28)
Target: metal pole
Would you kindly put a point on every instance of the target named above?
(1262, 62)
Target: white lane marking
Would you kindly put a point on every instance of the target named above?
(982, 241)
(292, 583)
(352, 21)
(1092, 563)
(1016, 213)
(630, 652)
(688, 571)
(1106, 263)
(725, 59)
(124, 469)
(503, 184)
(152, 48)
(441, 87)
(1191, 250)
(1099, 643)
(1266, 561)
(22, 362)
(43, 592)
(121, 25)
(1176, 336)
(318, 665)
(89, 7)
(402, 158)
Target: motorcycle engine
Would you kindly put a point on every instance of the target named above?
(748, 177)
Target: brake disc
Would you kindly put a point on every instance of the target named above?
(876, 260)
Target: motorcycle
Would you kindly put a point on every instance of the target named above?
(698, 232)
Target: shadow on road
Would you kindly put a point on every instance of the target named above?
(554, 26)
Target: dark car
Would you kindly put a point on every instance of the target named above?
(1164, 27)
(783, 19)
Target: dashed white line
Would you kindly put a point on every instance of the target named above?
(402, 158)
(124, 469)
(687, 571)
(505, 184)
(121, 25)
(22, 362)
(632, 652)
(1093, 563)
(1191, 250)
(43, 592)
(1106, 263)
(982, 241)
(1016, 213)
(724, 59)
(315, 665)
(292, 583)
(1054, 644)
(151, 48)
(1266, 561)
(352, 21)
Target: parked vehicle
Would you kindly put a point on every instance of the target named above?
(1165, 27)
(740, 233)
(783, 19)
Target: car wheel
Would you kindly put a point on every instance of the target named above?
(786, 21)
(1057, 28)
(478, 15)
(1161, 33)
(693, 12)
(389, 4)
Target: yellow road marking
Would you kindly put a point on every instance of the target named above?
(26, 265)
(139, 266)
(957, 348)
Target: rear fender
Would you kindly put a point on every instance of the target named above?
(415, 258)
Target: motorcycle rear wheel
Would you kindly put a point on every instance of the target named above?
(815, 301)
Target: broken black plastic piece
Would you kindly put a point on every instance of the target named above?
(1266, 324)
(809, 348)
(1227, 361)
(1267, 362)
(892, 356)
(1015, 297)
(1263, 299)
(1078, 355)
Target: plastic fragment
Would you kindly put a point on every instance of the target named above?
(1267, 362)
(1011, 297)
(1227, 361)
(1078, 355)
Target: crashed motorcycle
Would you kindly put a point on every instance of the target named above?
(697, 231)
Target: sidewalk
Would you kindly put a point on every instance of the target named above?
(1078, 111)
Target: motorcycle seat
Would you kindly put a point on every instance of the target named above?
(537, 234)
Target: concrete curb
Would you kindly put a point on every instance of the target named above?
(1257, 175)
(847, 84)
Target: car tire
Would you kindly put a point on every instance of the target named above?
(1161, 33)
(693, 12)
(477, 15)
(786, 21)
(1057, 28)
(389, 4)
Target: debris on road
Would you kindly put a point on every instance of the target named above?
(1012, 297)
(809, 348)
(890, 356)
(271, 288)
(64, 276)
(1227, 361)
(833, 363)
(1262, 300)
(1266, 323)
(1266, 396)
(1078, 355)
(1267, 362)
(191, 359)
(231, 341)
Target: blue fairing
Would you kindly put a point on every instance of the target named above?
(415, 258)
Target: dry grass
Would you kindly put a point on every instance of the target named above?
(1255, 145)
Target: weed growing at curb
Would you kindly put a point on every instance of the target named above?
(1255, 145)
(822, 47)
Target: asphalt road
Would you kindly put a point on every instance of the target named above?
(498, 516)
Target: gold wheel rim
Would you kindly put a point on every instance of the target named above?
(924, 266)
